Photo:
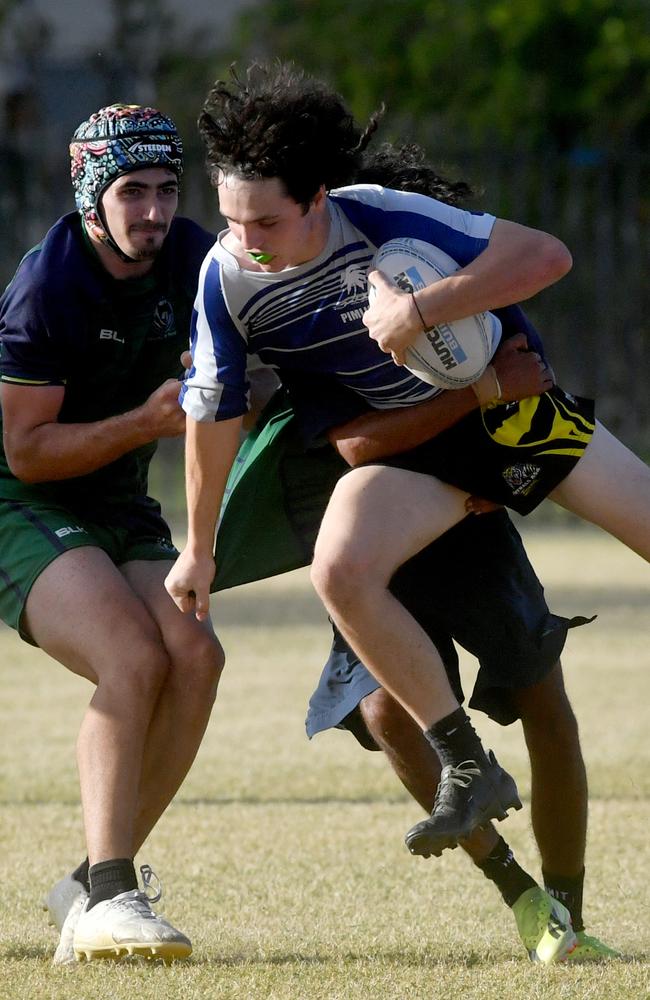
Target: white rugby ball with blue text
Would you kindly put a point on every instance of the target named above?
(451, 355)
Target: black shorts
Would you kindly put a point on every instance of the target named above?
(514, 454)
(474, 584)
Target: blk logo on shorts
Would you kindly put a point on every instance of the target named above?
(70, 529)
(165, 543)
(521, 477)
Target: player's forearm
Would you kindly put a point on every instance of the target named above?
(382, 433)
(210, 450)
(55, 451)
(517, 263)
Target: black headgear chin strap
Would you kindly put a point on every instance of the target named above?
(111, 242)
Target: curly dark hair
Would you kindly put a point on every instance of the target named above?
(280, 122)
(404, 168)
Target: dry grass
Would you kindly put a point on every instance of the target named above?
(284, 860)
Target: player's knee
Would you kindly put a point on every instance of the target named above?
(201, 668)
(385, 719)
(145, 670)
(550, 719)
(339, 578)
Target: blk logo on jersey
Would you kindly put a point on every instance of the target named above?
(111, 335)
(162, 325)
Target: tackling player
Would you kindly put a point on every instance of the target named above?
(92, 328)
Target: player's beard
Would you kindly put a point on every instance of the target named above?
(147, 253)
(152, 248)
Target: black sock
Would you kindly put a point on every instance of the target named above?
(502, 869)
(454, 740)
(110, 878)
(81, 874)
(569, 892)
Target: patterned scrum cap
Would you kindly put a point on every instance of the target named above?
(115, 141)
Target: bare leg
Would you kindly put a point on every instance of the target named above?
(138, 739)
(414, 761)
(83, 613)
(416, 765)
(558, 785)
(558, 776)
(170, 722)
(183, 708)
(378, 517)
(610, 487)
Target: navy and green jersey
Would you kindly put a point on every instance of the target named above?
(64, 321)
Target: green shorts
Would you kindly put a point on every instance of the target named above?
(34, 534)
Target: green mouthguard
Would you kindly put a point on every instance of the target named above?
(261, 258)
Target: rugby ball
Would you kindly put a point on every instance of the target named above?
(451, 355)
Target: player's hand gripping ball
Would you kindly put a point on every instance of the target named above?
(451, 355)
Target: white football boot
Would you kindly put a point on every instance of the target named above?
(126, 925)
(60, 899)
(66, 900)
(64, 954)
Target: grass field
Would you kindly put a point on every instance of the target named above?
(284, 860)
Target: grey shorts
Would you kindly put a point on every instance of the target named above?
(474, 585)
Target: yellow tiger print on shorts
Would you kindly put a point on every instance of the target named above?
(540, 425)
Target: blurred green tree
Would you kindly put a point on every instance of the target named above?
(572, 72)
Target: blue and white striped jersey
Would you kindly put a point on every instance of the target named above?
(307, 319)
